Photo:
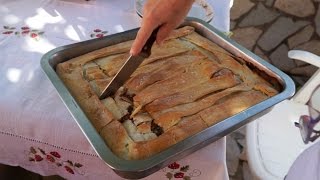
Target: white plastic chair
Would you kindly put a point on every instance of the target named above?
(273, 141)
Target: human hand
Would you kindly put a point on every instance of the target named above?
(166, 14)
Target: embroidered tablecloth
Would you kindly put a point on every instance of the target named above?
(36, 130)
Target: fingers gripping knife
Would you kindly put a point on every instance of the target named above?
(129, 67)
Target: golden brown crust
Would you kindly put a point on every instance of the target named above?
(119, 143)
(185, 86)
(196, 73)
(85, 96)
(157, 72)
(184, 110)
(187, 127)
(193, 93)
(227, 60)
(100, 53)
(231, 106)
(159, 144)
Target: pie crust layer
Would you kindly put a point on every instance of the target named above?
(187, 84)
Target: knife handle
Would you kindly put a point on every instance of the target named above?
(146, 49)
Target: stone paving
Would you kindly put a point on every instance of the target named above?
(270, 28)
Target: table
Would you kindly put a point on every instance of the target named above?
(36, 130)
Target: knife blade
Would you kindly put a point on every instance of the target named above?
(129, 67)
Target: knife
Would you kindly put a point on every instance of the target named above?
(129, 67)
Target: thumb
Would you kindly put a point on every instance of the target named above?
(165, 31)
(142, 36)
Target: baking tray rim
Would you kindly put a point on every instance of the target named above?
(134, 166)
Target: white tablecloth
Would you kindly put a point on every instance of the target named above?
(36, 130)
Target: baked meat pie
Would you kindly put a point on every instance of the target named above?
(185, 86)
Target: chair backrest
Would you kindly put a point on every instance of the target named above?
(315, 99)
(310, 92)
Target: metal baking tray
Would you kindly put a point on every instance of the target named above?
(134, 169)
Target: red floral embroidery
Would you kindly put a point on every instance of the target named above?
(174, 165)
(175, 171)
(25, 31)
(33, 35)
(38, 157)
(98, 33)
(179, 175)
(55, 154)
(68, 169)
(50, 158)
(38, 154)
(7, 32)
(97, 30)
(25, 28)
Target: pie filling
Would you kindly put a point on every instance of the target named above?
(186, 85)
